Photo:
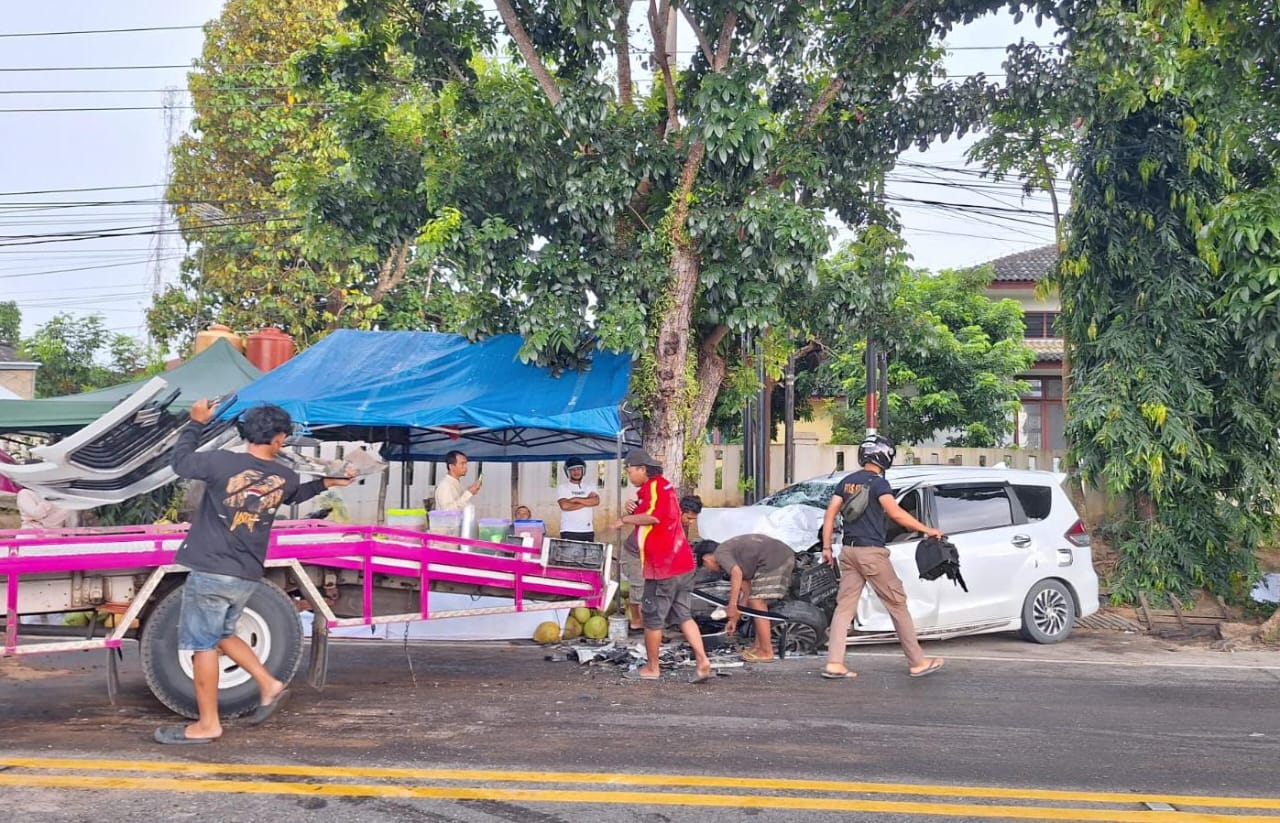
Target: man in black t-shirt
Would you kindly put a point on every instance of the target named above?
(864, 560)
(225, 550)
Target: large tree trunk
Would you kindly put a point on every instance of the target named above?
(671, 411)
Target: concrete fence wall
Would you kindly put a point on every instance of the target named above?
(410, 485)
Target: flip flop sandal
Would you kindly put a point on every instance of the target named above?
(635, 674)
(177, 736)
(752, 657)
(265, 711)
(827, 674)
(702, 678)
(938, 663)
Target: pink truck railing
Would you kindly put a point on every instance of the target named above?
(534, 580)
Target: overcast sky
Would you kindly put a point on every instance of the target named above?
(69, 139)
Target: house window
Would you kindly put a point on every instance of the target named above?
(1041, 424)
(1040, 324)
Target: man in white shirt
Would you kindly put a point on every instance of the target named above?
(577, 499)
(450, 495)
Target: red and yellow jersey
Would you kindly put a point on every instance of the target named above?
(664, 548)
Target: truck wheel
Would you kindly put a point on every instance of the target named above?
(269, 624)
(1048, 613)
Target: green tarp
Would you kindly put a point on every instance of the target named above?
(217, 370)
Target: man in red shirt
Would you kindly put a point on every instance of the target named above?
(667, 559)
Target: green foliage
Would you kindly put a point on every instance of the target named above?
(10, 322)
(263, 157)
(1166, 282)
(77, 354)
(953, 353)
(583, 207)
(246, 266)
(158, 505)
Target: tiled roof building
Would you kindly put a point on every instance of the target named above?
(1026, 266)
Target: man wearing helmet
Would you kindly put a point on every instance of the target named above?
(577, 499)
(865, 560)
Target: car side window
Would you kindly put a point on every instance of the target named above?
(910, 504)
(971, 507)
(1037, 501)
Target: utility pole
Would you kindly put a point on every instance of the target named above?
(762, 438)
(748, 445)
(872, 362)
(789, 422)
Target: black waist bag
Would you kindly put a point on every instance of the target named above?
(936, 557)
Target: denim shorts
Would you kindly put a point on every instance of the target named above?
(211, 607)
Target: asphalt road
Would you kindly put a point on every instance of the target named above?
(1104, 727)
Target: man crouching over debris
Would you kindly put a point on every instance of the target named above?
(668, 563)
(759, 569)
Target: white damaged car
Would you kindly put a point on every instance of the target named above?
(1024, 554)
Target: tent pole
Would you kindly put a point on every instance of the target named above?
(384, 478)
(515, 488)
(617, 487)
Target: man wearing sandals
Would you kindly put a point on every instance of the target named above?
(759, 569)
(864, 559)
(225, 550)
(667, 562)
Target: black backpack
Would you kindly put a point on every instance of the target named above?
(936, 557)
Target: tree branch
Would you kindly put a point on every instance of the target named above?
(658, 14)
(392, 272)
(525, 44)
(622, 47)
(703, 42)
(721, 61)
(834, 88)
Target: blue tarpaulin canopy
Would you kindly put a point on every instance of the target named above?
(422, 394)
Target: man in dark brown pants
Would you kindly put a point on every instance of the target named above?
(864, 560)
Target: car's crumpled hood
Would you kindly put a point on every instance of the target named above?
(795, 525)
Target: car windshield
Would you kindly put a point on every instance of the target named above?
(810, 493)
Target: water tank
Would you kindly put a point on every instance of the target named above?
(216, 332)
(269, 348)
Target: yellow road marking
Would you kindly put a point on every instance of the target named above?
(624, 779)
(619, 798)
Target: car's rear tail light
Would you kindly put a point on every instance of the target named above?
(1077, 536)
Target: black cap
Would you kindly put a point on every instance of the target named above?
(640, 457)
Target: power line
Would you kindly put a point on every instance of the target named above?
(97, 68)
(67, 191)
(98, 31)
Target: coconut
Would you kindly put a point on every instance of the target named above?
(572, 629)
(597, 628)
(581, 614)
(548, 632)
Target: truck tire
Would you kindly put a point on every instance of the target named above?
(270, 626)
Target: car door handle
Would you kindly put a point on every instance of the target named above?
(1020, 540)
